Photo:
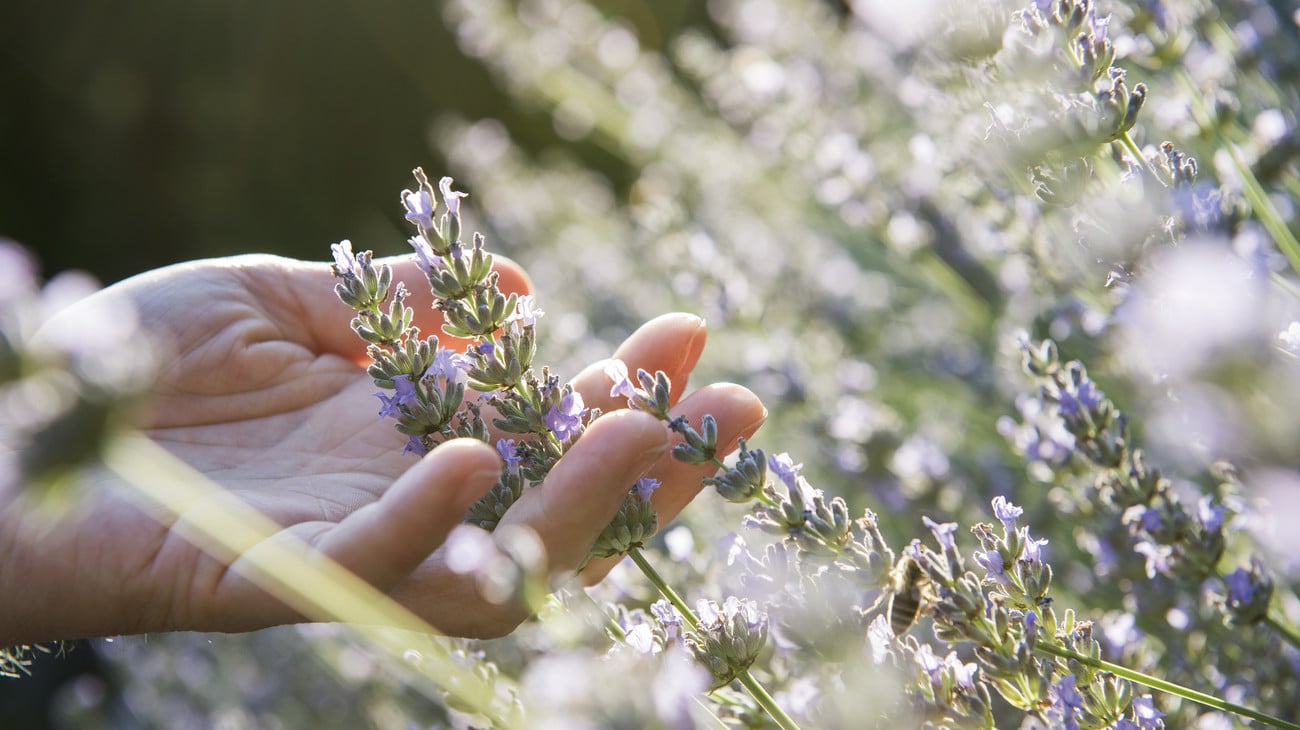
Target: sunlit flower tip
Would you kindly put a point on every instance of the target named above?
(1241, 586)
(943, 532)
(414, 446)
(405, 391)
(616, 370)
(345, 262)
(449, 196)
(449, 365)
(1006, 513)
(930, 664)
(387, 407)
(642, 639)
(526, 311)
(963, 673)
(991, 561)
(419, 208)
(1098, 25)
(565, 418)
(881, 638)
(486, 349)
(1148, 717)
(1289, 338)
(669, 619)
(784, 467)
(425, 258)
(1033, 550)
(645, 487)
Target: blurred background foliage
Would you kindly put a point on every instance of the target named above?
(833, 193)
(143, 134)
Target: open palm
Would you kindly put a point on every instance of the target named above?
(263, 390)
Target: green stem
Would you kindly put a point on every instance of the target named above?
(1136, 151)
(763, 698)
(756, 690)
(664, 589)
(1287, 631)
(1251, 188)
(1165, 686)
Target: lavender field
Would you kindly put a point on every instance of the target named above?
(1018, 285)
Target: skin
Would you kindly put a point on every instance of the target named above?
(263, 390)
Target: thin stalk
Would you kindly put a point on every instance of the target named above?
(760, 694)
(756, 689)
(1136, 151)
(1166, 686)
(290, 569)
(1250, 186)
(1284, 629)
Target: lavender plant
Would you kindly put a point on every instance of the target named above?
(1048, 668)
(870, 205)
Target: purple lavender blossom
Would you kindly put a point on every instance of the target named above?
(1006, 513)
(1031, 627)
(645, 487)
(669, 619)
(617, 372)
(388, 407)
(414, 446)
(509, 454)
(565, 419)
(419, 208)
(963, 673)
(449, 196)
(881, 638)
(1241, 586)
(406, 395)
(784, 467)
(943, 532)
(930, 664)
(1212, 515)
(425, 258)
(1148, 717)
(1033, 550)
(345, 262)
(448, 365)
(991, 561)
(1067, 703)
(1085, 396)
(1151, 519)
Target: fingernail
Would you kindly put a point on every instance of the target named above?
(695, 345)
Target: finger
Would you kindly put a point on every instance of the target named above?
(317, 313)
(671, 343)
(385, 540)
(585, 488)
(381, 543)
(567, 512)
(739, 414)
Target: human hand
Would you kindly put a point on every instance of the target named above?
(264, 392)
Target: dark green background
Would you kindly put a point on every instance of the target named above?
(139, 134)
